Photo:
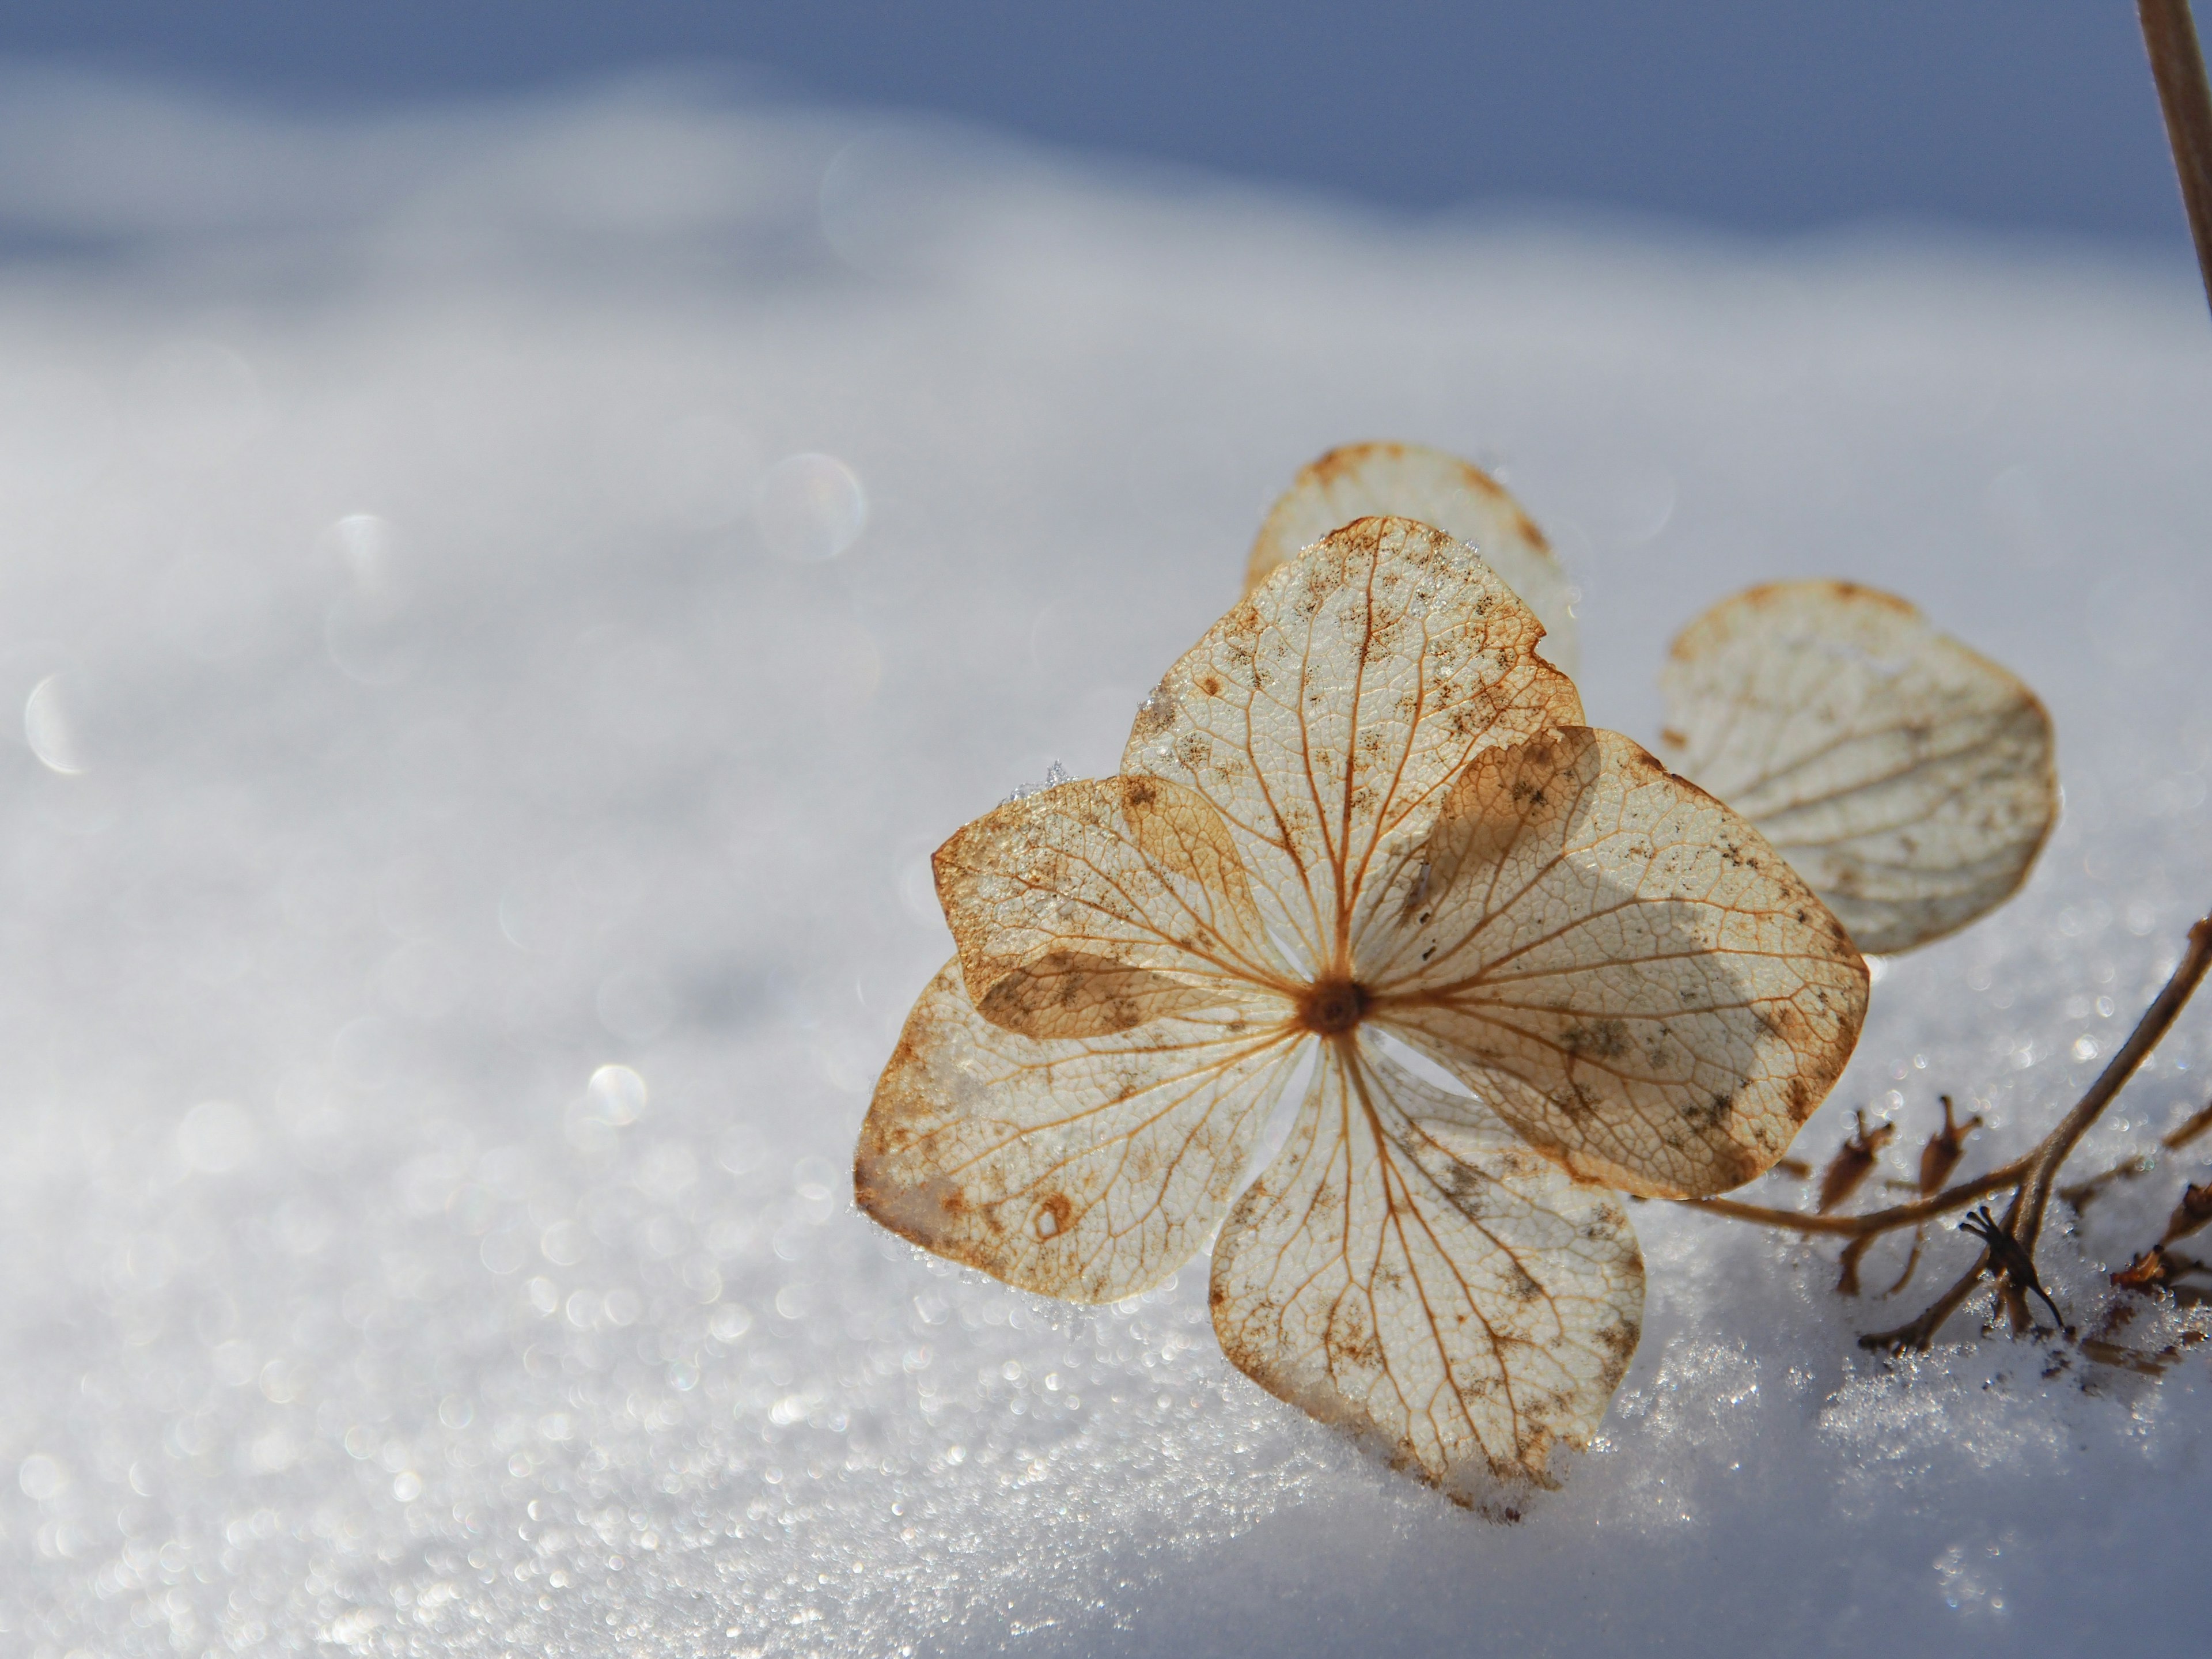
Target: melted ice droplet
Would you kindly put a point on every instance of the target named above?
(49, 729)
(617, 1095)
(196, 405)
(363, 628)
(41, 1477)
(811, 508)
(215, 1136)
(363, 544)
(1055, 775)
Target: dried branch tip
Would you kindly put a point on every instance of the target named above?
(2008, 1258)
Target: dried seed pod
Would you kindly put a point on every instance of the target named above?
(1943, 1151)
(2148, 1271)
(1852, 1161)
(1847, 1273)
(2191, 1213)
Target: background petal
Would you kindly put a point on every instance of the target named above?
(1411, 481)
(1909, 780)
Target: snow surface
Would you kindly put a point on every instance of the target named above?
(466, 864)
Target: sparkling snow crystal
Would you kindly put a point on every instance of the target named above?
(503, 605)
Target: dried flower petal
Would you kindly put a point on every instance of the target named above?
(1363, 805)
(1333, 707)
(1909, 780)
(1617, 963)
(1407, 1268)
(1408, 481)
(1088, 907)
(1084, 1168)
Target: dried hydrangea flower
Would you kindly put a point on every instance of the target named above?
(1909, 779)
(1412, 482)
(1361, 817)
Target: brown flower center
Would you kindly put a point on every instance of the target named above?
(1331, 1007)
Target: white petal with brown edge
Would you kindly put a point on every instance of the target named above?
(1411, 481)
(1407, 1269)
(1616, 963)
(1088, 1169)
(1908, 779)
(1090, 908)
(1333, 707)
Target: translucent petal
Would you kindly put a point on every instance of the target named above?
(1088, 907)
(1086, 1168)
(1408, 1269)
(1909, 780)
(1368, 480)
(1331, 708)
(1618, 963)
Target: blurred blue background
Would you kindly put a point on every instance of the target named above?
(1760, 116)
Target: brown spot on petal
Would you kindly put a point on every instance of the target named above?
(1053, 1214)
(1332, 1007)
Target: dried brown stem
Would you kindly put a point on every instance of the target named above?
(2029, 1177)
(1874, 1221)
(1911, 1261)
(2023, 1218)
(1921, 1332)
(2178, 67)
(2177, 64)
(2056, 1145)
(2173, 1140)
(1847, 1276)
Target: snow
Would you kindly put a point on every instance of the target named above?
(504, 600)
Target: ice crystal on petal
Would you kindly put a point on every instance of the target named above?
(1055, 775)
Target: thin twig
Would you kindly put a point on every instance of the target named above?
(2177, 64)
(1874, 1221)
(2148, 1029)
(2029, 1177)
(1921, 1332)
(2173, 1140)
(2023, 1218)
(2008, 1258)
